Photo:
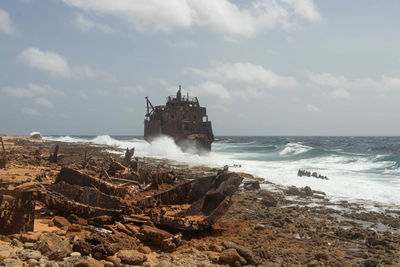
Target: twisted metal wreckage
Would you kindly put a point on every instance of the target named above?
(125, 193)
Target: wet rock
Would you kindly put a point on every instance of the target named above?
(269, 200)
(60, 222)
(53, 246)
(243, 251)
(251, 185)
(231, 256)
(307, 190)
(131, 257)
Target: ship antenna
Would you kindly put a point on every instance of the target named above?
(178, 94)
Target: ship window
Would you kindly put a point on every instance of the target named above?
(205, 119)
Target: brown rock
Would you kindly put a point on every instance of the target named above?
(144, 249)
(75, 228)
(60, 222)
(100, 220)
(133, 228)
(89, 262)
(122, 228)
(53, 246)
(230, 256)
(131, 257)
(75, 219)
(34, 237)
(243, 251)
(115, 260)
(154, 234)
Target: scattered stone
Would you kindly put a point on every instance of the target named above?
(251, 185)
(5, 251)
(308, 191)
(60, 222)
(144, 249)
(26, 254)
(131, 257)
(243, 251)
(231, 256)
(15, 242)
(259, 227)
(53, 246)
(88, 262)
(34, 237)
(29, 245)
(75, 254)
(115, 260)
(371, 262)
(11, 263)
(100, 220)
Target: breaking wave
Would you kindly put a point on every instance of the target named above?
(357, 168)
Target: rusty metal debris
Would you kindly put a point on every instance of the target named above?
(3, 159)
(192, 205)
(16, 211)
(54, 157)
(183, 119)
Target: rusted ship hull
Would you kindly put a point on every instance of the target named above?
(192, 205)
(183, 119)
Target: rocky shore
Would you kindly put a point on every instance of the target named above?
(267, 226)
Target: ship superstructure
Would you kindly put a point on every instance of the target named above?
(181, 118)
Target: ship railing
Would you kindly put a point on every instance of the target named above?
(186, 99)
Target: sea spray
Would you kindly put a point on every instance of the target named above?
(358, 168)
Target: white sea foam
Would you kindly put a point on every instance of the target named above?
(294, 149)
(351, 177)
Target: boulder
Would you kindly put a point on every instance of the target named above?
(131, 257)
(243, 251)
(11, 263)
(251, 185)
(88, 262)
(231, 256)
(60, 222)
(53, 246)
(5, 251)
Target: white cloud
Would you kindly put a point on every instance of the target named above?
(30, 111)
(343, 87)
(17, 92)
(312, 108)
(246, 73)
(341, 93)
(6, 25)
(182, 44)
(50, 62)
(58, 66)
(220, 16)
(249, 93)
(211, 89)
(82, 95)
(132, 89)
(44, 102)
(85, 24)
(32, 90)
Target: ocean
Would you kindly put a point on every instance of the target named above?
(359, 169)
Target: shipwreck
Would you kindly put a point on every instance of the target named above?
(183, 119)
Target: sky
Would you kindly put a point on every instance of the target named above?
(261, 67)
